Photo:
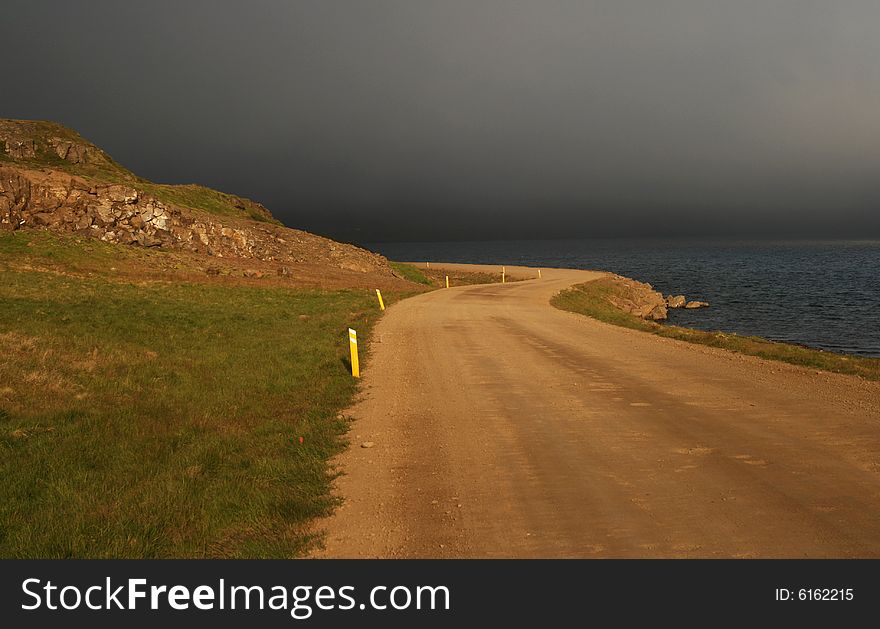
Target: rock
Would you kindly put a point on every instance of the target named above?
(45, 218)
(283, 271)
(639, 299)
(367, 444)
(692, 305)
(73, 151)
(212, 271)
(104, 211)
(675, 301)
(304, 317)
(147, 240)
(20, 148)
(253, 273)
(160, 221)
(658, 313)
(127, 238)
(122, 194)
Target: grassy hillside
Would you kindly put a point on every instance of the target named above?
(101, 168)
(591, 299)
(163, 419)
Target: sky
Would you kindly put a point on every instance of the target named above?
(381, 120)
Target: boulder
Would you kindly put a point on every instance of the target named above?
(70, 151)
(45, 218)
(657, 313)
(675, 301)
(692, 305)
(639, 299)
(146, 240)
(121, 194)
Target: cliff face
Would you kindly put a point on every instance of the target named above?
(50, 178)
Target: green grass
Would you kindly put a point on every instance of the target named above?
(205, 199)
(163, 419)
(70, 252)
(591, 299)
(464, 278)
(436, 278)
(409, 272)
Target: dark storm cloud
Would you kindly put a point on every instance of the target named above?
(379, 120)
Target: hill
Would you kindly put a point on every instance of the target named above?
(172, 361)
(52, 178)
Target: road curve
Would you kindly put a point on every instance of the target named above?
(504, 427)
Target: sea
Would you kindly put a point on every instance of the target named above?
(822, 294)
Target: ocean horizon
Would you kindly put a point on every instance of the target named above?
(819, 293)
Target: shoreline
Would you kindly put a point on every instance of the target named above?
(822, 294)
(799, 354)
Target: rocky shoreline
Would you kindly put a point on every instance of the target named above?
(642, 300)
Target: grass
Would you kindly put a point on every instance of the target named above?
(463, 278)
(160, 419)
(591, 299)
(436, 278)
(72, 253)
(410, 272)
(201, 198)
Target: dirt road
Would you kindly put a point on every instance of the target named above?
(506, 428)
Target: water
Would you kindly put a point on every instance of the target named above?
(821, 294)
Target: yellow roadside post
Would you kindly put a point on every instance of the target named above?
(503, 275)
(381, 303)
(353, 346)
(447, 281)
(427, 265)
(539, 273)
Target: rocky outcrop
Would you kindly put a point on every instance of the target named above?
(19, 148)
(639, 299)
(675, 301)
(692, 305)
(45, 142)
(73, 152)
(122, 213)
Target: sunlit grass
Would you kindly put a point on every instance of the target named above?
(163, 420)
(410, 272)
